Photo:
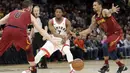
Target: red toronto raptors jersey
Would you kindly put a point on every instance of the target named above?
(109, 24)
(19, 18)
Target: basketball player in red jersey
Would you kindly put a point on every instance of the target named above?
(15, 32)
(104, 19)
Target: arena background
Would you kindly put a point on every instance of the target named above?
(79, 12)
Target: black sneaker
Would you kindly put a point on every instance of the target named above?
(122, 68)
(104, 68)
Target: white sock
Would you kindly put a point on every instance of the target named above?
(69, 56)
(39, 55)
(71, 68)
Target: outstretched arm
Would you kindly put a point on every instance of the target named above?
(4, 19)
(114, 9)
(108, 12)
(68, 29)
(91, 27)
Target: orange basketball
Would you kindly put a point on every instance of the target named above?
(78, 64)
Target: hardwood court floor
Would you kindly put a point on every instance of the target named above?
(91, 66)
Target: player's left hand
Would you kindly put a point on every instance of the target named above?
(115, 8)
(43, 38)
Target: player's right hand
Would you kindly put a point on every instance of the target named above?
(64, 38)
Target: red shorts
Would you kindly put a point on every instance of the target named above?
(113, 37)
(16, 36)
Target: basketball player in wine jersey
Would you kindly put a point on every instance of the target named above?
(15, 32)
(104, 19)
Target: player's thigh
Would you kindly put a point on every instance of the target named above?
(113, 38)
(49, 48)
(23, 42)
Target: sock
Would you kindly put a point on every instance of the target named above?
(106, 62)
(69, 56)
(38, 57)
(71, 68)
(119, 63)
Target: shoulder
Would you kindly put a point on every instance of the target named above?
(67, 20)
(106, 13)
(105, 10)
(51, 21)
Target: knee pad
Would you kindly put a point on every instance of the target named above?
(105, 49)
(113, 55)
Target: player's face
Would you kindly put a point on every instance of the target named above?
(96, 6)
(58, 13)
(36, 11)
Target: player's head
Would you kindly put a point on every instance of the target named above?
(36, 11)
(59, 10)
(27, 4)
(97, 5)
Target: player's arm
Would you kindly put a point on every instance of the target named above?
(46, 28)
(114, 9)
(4, 19)
(32, 33)
(68, 26)
(91, 27)
(52, 29)
(68, 29)
(41, 31)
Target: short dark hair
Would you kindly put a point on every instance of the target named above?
(59, 7)
(26, 3)
(99, 2)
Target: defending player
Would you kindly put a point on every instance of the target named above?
(104, 19)
(15, 32)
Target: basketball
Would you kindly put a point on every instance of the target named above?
(78, 64)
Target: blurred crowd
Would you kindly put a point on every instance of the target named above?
(80, 17)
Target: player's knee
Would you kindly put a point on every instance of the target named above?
(113, 55)
(40, 53)
(66, 50)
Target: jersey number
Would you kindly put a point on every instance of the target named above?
(59, 31)
(17, 15)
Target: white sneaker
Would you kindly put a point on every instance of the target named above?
(26, 71)
(29, 70)
(72, 71)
